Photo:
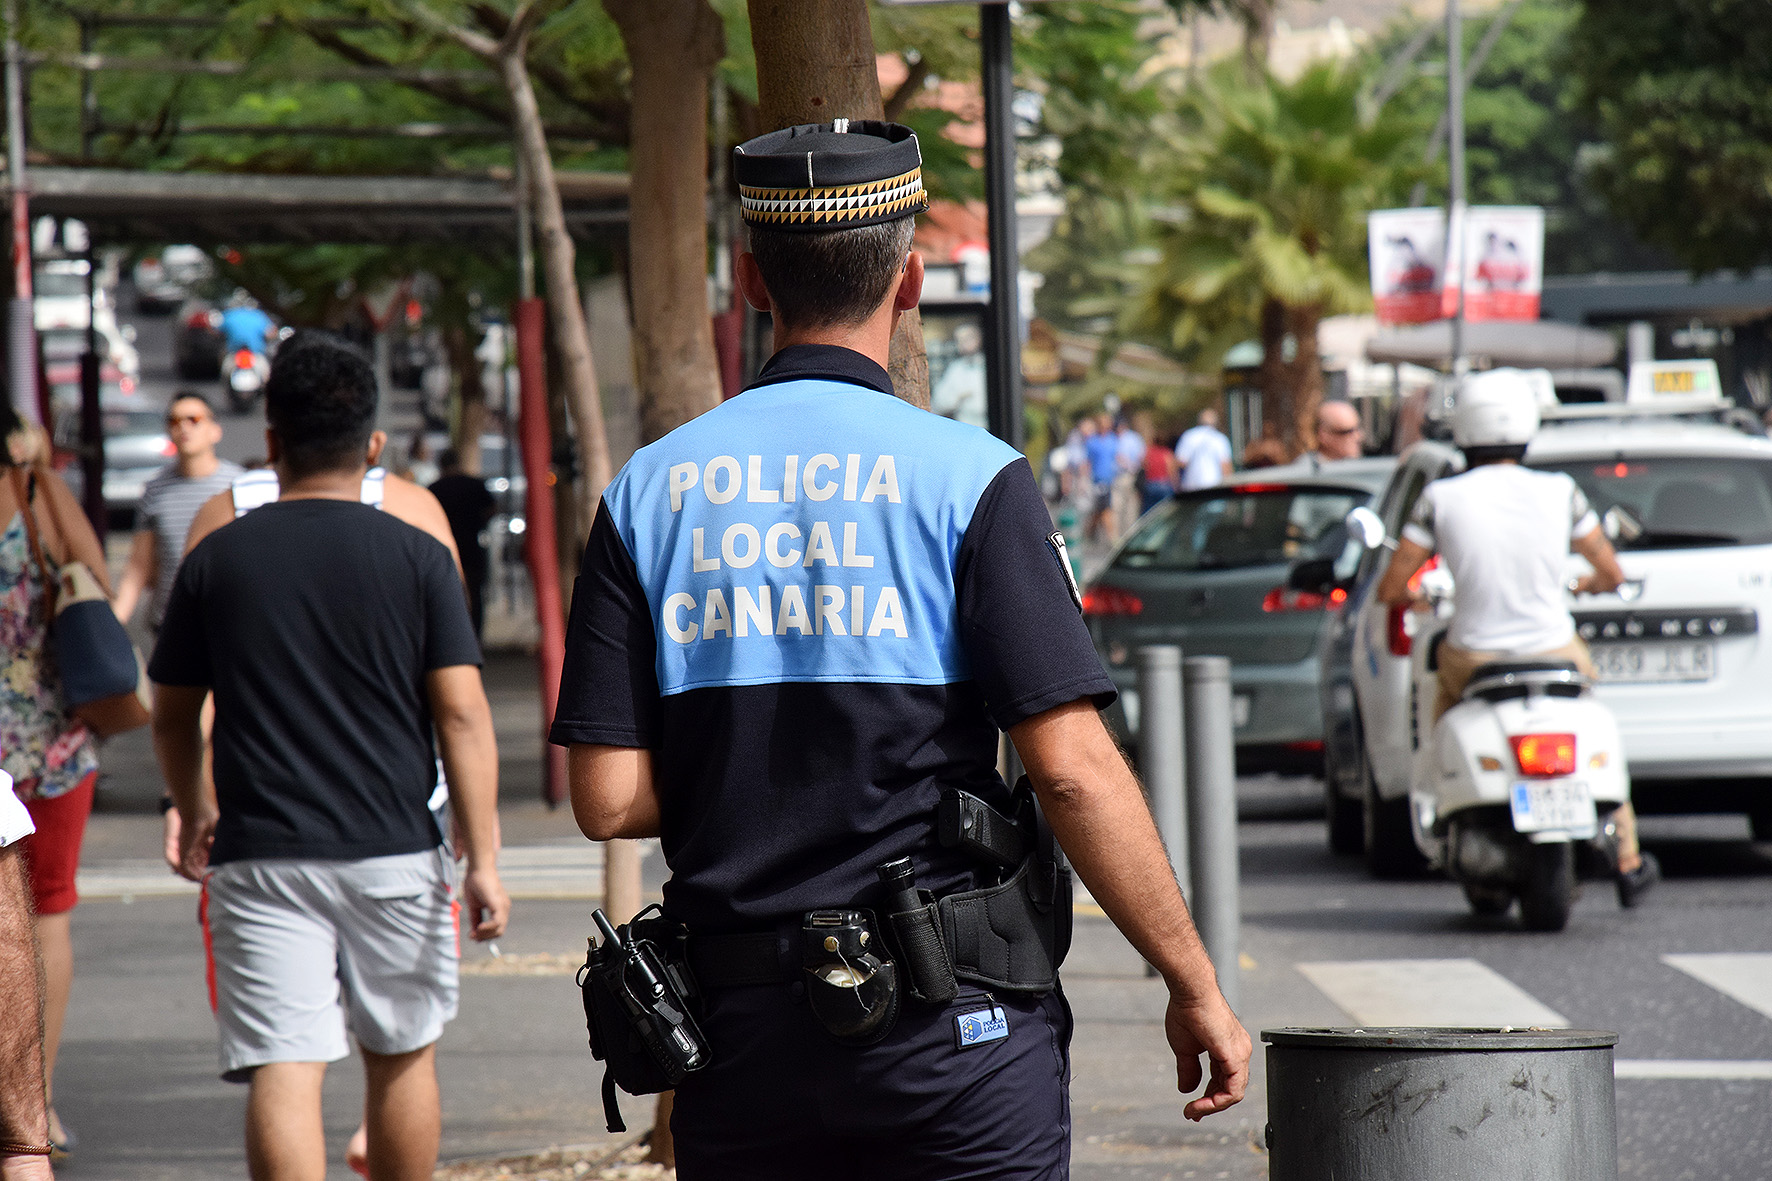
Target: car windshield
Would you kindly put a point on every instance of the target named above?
(1677, 502)
(123, 423)
(1242, 526)
(60, 285)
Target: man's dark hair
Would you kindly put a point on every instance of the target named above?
(188, 395)
(320, 400)
(836, 277)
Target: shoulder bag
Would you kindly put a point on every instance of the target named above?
(101, 678)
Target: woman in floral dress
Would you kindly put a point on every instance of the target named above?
(49, 753)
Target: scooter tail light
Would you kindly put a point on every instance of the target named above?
(1395, 631)
(1111, 600)
(243, 359)
(1544, 756)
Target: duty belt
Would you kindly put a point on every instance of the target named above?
(1012, 935)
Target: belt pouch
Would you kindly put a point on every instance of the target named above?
(852, 992)
(627, 1031)
(918, 935)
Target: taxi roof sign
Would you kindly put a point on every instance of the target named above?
(1654, 381)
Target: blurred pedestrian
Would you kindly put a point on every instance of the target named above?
(469, 506)
(334, 636)
(49, 753)
(1267, 451)
(1130, 448)
(1339, 431)
(24, 1110)
(1203, 453)
(1161, 471)
(1102, 449)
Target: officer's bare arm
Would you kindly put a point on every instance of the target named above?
(24, 1111)
(1099, 815)
(1393, 588)
(1607, 575)
(470, 763)
(612, 791)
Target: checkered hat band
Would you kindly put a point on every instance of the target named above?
(836, 204)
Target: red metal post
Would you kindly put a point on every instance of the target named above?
(540, 543)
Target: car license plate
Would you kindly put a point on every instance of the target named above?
(1553, 803)
(1240, 710)
(1655, 663)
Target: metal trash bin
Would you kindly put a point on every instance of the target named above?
(1440, 1105)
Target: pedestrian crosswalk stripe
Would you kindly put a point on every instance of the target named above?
(1728, 1070)
(1429, 993)
(1743, 976)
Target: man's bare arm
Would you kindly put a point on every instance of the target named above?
(1607, 575)
(138, 575)
(1393, 588)
(470, 763)
(1100, 818)
(24, 1106)
(217, 511)
(613, 794)
(178, 744)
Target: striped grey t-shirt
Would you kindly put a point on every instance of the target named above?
(169, 503)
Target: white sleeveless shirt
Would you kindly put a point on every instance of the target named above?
(260, 487)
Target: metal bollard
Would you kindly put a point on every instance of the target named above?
(1162, 753)
(1404, 1104)
(1212, 813)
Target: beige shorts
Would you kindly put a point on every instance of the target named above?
(1457, 665)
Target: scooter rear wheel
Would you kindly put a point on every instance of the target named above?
(1548, 894)
(1488, 901)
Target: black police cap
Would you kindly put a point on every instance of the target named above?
(830, 176)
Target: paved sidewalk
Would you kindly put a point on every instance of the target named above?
(138, 1080)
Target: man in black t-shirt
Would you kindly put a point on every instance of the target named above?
(801, 620)
(334, 637)
(468, 506)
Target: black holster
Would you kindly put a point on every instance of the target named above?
(1014, 935)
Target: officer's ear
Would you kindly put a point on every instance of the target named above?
(750, 282)
(910, 284)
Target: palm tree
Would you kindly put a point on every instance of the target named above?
(1260, 224)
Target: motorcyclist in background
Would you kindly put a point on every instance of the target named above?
(246, 326)
(1505, 532)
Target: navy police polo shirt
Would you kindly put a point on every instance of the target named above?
(816, 604)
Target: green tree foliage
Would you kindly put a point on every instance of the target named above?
(1682, 92)
(1265, 191)
(1527, 135)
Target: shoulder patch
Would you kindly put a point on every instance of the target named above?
(1055, 542)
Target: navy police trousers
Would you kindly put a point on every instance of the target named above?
(781, 1100)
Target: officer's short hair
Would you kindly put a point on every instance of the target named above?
(833, 277)
(321, 400)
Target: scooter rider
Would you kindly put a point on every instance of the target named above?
(246, 326)
(1505, 532)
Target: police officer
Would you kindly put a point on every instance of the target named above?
(801, 621)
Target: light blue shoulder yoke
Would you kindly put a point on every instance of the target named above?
(805, 531)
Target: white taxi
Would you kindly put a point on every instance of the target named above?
(1685, 494)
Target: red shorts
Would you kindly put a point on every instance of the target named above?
(53, 852)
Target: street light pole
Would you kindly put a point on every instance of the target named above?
(21, 327)
(1003, 326)
(1455, 233)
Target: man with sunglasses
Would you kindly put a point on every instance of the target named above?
(1339, 433)
(170, 502)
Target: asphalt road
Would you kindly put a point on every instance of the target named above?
(1686, 982)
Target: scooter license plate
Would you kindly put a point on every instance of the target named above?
(1553, 804)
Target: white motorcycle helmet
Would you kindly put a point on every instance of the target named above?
(1497, 408)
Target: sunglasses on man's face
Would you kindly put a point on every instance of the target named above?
(1339, 431)
(173, 420)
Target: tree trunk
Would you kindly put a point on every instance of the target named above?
(1258, 35)
(1271, 378)
(673, 47)
(560, 264)
(1306, 376)
(815, 63)
(470, 418)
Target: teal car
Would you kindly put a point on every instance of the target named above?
(1211, 572)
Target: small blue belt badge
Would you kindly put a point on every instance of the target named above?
(975, 1029)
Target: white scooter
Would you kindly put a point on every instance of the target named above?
(244, 373)
(1511, 792)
